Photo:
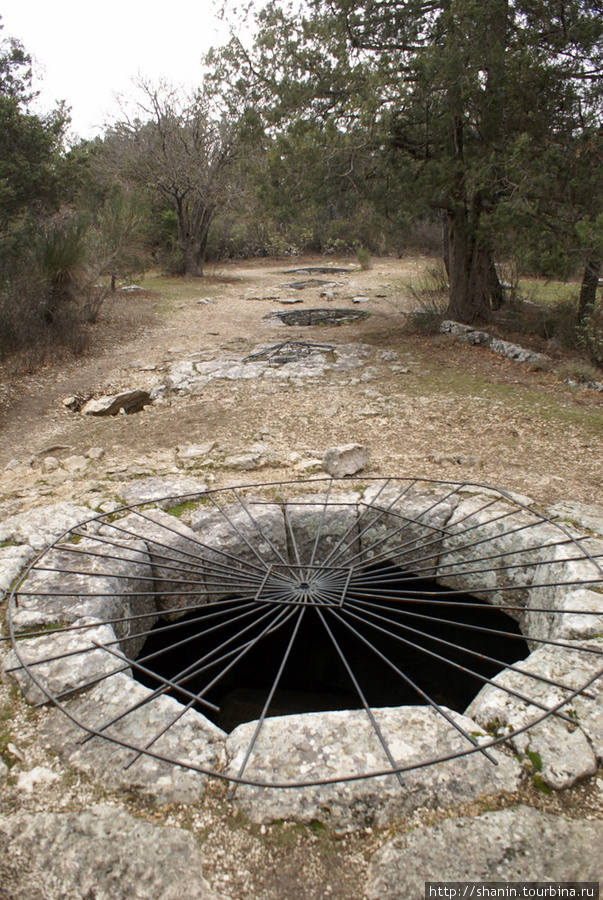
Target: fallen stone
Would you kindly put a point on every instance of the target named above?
(75, 464)
(520, 844)
(346, 460)
(104, 853)
(244, 462)
(195, 451)
(129, 401)
(50, 464)
(95, 453)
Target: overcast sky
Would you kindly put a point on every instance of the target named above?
(88, 52)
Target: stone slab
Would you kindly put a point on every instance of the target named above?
(340, 744)
(103, 853)
(519, 844)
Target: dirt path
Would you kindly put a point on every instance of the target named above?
(445, 411)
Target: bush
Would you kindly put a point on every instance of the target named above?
(48, 293)
(431, 296)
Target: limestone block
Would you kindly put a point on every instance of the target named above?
(323, 528)
(568, 752)
(341, 744)
(43, 525)
(12, 562)
(176, 558)
(135, 716)
(65, 661)
(520, 844)
(165, 492)
(495, 551)
(111, 405)
(106, 581)
(346, 460)
(405, 527)
(104, 853)
(238, 543)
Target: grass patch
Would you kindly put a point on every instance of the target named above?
(179, 510)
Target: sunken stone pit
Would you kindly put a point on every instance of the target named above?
(335, 651)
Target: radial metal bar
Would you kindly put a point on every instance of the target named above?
(362, 698)
(429, 700)
(284, 616)
(271, 694)
(460, 667)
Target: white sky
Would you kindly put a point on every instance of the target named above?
(86, 52)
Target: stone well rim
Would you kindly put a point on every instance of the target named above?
(308, 486)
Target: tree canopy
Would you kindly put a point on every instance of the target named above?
(471, 94)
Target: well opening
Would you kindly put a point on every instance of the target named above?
(401, 596)
(444, 648)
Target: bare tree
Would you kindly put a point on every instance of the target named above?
(184, 149)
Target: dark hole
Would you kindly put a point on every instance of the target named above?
(436, 654)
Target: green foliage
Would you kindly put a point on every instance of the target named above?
(484, 110)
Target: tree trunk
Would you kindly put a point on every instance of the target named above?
(588, 288)
(472, 273)
(446, 244)
(193, 265)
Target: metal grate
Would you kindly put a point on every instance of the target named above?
(373, 566)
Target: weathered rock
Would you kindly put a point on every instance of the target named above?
(165, 492)
(75, 464)
(39, 775)
(567, 752)
(499, 531)
(323, 528)
(50, 464)
(520, 844)
(12, 561)
(583, 514)
(61, 590)
(107, 854)
(196, 451)
(346, 460)
(95, 453)
(64, 661)
(176, 559)
(128, 401)
(244, 462)
(405, 526)
(40, 527)
(338, 744)
(127, 711)
(520, 354)
(235, 539)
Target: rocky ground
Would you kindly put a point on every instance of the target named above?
(424, 405)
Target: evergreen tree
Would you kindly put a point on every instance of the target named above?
(462, 89)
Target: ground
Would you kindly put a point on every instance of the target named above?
(446, 411)
(460, 412)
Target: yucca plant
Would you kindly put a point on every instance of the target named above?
(61, 257)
